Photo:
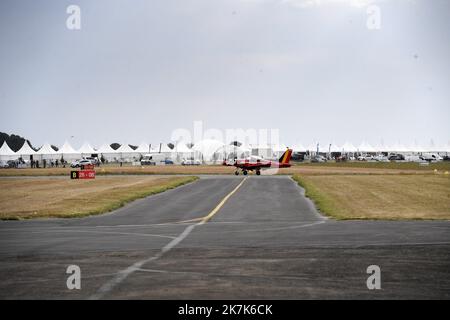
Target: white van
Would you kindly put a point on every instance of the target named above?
(432, 157)
(152, 159)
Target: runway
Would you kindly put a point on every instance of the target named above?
(224, 237)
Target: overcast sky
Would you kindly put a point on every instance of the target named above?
(137, 70)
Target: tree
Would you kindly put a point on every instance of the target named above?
(15, 142)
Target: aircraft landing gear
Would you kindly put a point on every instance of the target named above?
(244, 172)
(236, 172)
(258, 173)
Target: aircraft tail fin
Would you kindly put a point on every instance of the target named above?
(286, 157)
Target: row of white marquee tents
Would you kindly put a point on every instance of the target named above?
(205, 149)
(67, 152)
(365, 147)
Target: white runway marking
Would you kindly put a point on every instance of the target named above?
(122, 275)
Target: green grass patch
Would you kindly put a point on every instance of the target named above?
(323, 203)
(379, 197)
(65, 198)
(441, 166)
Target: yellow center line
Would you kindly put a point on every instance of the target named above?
(221, 203)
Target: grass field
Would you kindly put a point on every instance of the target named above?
(125, 170)
(303, 168)
(352, 190)
(443, 165)
(24, 198)
(393, 197)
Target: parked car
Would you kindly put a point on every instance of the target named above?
(319, 158)
(341, 158)
(94, 160)
(81, 162)
(167, 161)
(414, 158)
(381, 158)
(147, 160)
(298, 156)
(431, 157)
(13, 163)
(396, 157)
(190, 162)
(365, 158)
(4, 164)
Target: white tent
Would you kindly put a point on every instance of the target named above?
(105, 148)
(47, 152)
(182, 148)
(161, 148)
(68, 152)
(125, 148)
(439, 148)
(25, 151)
(415, 148)
(261, 150)
(86, 150)
(165, 152)
(143, 148)
(326, 148)
(442, 148)
(182, 152)
(230, 152)
(169, 153)
(126, 153)
(107, 152)
(205, 149)
(312, 148)
(246, 148)
(279, 147)
(399, 148)
(365, 147)
(278, 150)
(6, 153)
(165, 148)
(380, 147)
(335, 148)
(298, 147)
(348, 148)
(155, 149)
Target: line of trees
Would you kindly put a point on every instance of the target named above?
(14, 141)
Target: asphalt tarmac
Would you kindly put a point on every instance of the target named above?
(224, 237)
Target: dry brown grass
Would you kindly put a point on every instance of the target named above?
(380, 196)
(330, 170)
(316, 169)
(23, 198)
(125, 170)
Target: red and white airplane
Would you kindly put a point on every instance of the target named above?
(257, 163)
